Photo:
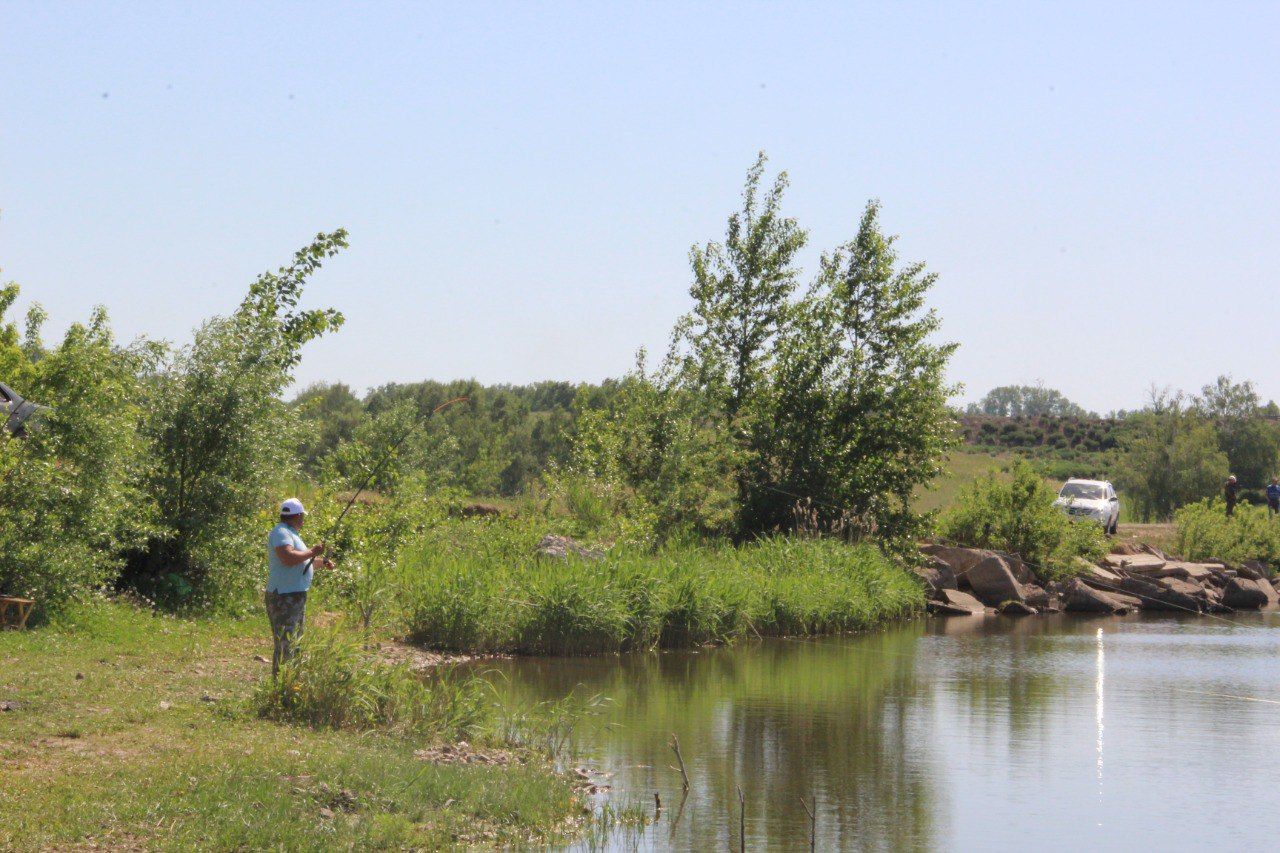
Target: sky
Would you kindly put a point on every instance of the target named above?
(1096, 185)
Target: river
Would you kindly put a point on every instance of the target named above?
(970, 733)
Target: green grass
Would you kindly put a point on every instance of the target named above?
(490, 594)
(136, 730)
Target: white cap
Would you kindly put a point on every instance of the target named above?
(292, 506)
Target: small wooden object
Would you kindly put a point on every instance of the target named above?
(14, 612)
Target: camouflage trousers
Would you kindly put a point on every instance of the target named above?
(286, 612)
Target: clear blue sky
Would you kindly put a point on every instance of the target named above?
(1097, 184)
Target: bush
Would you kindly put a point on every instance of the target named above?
(1018, 516)
(1205, 533)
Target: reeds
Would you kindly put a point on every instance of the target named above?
(484, 597)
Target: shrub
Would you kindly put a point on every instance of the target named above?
(1205, 533)
(1018, 516)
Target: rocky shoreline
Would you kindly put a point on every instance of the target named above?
(973, 581)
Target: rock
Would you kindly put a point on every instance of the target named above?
(480, 510)
(961, 560)
(79, 676)
(1082, 598)
(262, 659)
(1166, 594)
(993, 583)
(953, 602)
(7, 705)
(560, 547)
(207, 698)
(1100, 578)
(935, 574)
(164, 706)
(1136, 563)
(1035, 596)
(1017, 608)
(1246, 594)
(1021, 573)
(1254, 571)
(326, 813)
(1154, 551)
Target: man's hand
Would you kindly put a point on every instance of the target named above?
(317, 550)
(326, 563)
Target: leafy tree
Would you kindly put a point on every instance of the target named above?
(1025, 401)
(70, 491)
(742, 292)
(857, 412)
(1250, 441)
(333, 412)
(1170, 457)
(221, 435)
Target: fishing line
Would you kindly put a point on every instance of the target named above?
(377, 469)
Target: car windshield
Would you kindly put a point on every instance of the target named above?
(1083, 491)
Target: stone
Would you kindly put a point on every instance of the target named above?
(1034, 595)
(1082, 598)
(1100, 577)
(935, 574)
(1162, 594)
(956, 603)
(1135, 563)
(560, 547)
(993, 583)
(1245, 594)
(959, 559)
(1017, 608)
(1251, 571)
(7, 705)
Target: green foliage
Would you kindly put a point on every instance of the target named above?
(1018, 401)
(69, 492)
(484, 592)
(1018, 516)
(1250, 441)
(334, 682)
(1205, 533)
(221, 435)
(331, 412)
(1171, 457)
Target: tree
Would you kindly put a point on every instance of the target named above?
(221, 434)
(333, 413)
(70, 492)
(742, 292)
(1022, 401)
(857, 414)
(1249, 440)
(1170, 457)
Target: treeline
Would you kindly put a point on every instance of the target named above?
(499, 441)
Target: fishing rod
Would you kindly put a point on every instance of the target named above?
(382, 463)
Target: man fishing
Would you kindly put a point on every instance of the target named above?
(289, 578)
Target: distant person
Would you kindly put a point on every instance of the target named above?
(1231, 491)
(290, 562)
(1273, 496)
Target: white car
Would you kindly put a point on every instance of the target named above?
(1092, 499)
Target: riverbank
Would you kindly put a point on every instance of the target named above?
(123, 729)
(497, 594)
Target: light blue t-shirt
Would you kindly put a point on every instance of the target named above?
(284, 578)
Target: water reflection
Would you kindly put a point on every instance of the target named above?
(949, 734)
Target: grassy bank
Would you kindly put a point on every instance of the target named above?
(135, 731)
(492, 594)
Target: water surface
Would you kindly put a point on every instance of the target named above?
(1045, 733)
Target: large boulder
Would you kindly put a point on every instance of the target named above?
(1166, 594)
(959, 559)
(1099, 577)
(953, 602)
(1017, 608)
(992, 581)
(935, 575)
(1081, 598)
(1246, 594)
(1036, 596)
(1254, 571)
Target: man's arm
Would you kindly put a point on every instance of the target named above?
(292, 556)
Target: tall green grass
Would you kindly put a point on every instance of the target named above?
(493, 595)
